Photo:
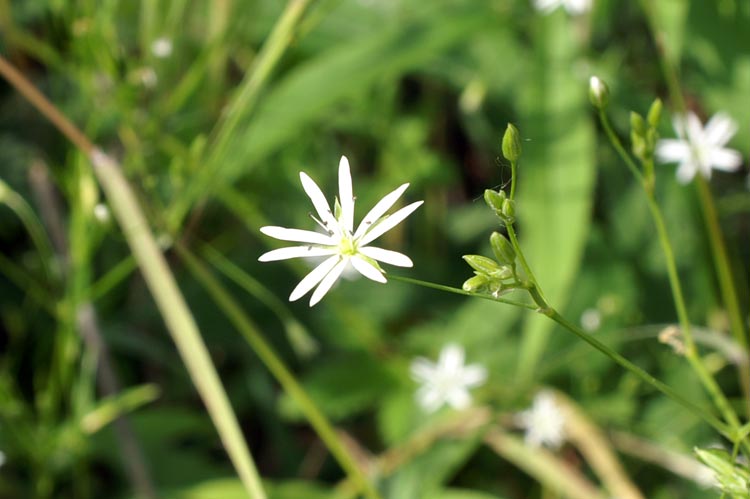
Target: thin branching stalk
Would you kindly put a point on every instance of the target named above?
(691, 352)
(160, 281)
(719, 252)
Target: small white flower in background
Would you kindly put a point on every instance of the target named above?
(572, 6)
(448, 381)
(591, 319)
(2, 458)
(699, 149)
(544, 422)
(341, 244)
(101, 213)
(161, 47)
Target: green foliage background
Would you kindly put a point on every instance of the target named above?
(411, 91)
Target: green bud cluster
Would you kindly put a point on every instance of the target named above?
(493, 276)
(643, 134)
(732, 478)
(503, 206)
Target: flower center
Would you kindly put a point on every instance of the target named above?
(347, 245)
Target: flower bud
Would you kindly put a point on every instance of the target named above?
(654, 113)
(511, 143)
(482, 264)
(637, 125)
(508, 211)
(494, 199)
(476, 283)
(502, 248)
(598, 93)
(505, 272)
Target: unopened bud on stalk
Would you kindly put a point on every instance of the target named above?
(511, 143)
(476, 283)
(482, 264)
(502, 248)
(598, 93)
(654, 113)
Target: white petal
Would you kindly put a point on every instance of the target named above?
(379, 210)
(314, 277)
(319, 202)
(298, 235)
(295, 252)
(678, 122)
(672, 150)
(389, 222)
(368, 270)
(474, 375)
(686, 171)
(578, 6)
(719, 129)
(694, 129)
(422, 370)
(387, 256)
(327, 282)
(459, 398)
(546, 5)
(429, 398)
(451, 357)
(346, 195)
(725, 159)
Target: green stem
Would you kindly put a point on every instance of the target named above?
(36, 231)
(691, 353)
(274, 364)
(718, 247)
(726, 282)
(513, 168)
(615, 141)
(521, 257)
(550, 312)
(459, 291)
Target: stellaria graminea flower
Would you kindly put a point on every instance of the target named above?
(572, 6)
(699, 149)
(341, 243)
(544, 421)
(447, 381)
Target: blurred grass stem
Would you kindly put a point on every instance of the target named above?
(274, 364)
(160, 281)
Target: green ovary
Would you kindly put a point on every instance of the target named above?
(347, 247)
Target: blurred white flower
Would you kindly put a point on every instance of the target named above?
(699, 149)
(448, 381)
(341, 243)
(591, 319)
(544, 422)
(161, 47)
(572, 6)
(101, 213)
(2, 458)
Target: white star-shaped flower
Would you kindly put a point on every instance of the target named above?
(448, 381)
(574, 7)
(341, 243)
(699, 149)
(544, 422)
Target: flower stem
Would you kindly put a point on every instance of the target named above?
(718, 247)
(459, 291)
(691, 352)
(553, 314)
(274, 364)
